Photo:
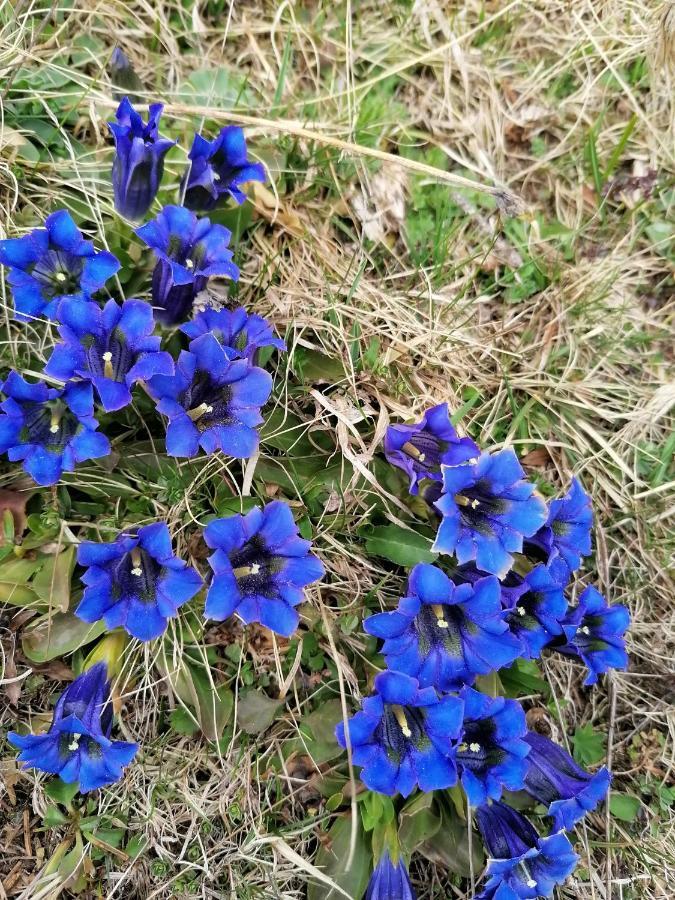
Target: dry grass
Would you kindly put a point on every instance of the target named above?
(533, 97)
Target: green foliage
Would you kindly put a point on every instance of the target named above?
(589, 745)
(331, 861)
(398, 544)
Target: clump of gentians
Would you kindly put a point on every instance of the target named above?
(501, 598)
(77, 746)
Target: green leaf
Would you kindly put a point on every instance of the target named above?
(331, 860)
(376, 809)
(183, 722)
(52, 582)
(58, 635)
(397, 544)
(61, 792)
(624, 806)
(192, 685)
(217, 88)
(418, 822)
(523, 677)
(256, 711)
(449, 845)
(314, 367)
(317, 732)
(589, 745)
(54, 817)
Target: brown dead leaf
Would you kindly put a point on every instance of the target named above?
(537, 457)
(15, 502)
(274, 211)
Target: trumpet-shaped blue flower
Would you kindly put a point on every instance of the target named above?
(261, 566)
(138, 165)
(491, 754)
(50, 430)
(535, 605)
(404, 736)
(554, 779)
(112, 347)
(566, 536)
(390, 880)
(595, 632)
(522, 865)
(211, 402)
(135, 582)
(421, 449)
(77, 746)
(218, 169)
(189, 251)
(240, 334)
(445, 634)
(487, 508)
(51, 263)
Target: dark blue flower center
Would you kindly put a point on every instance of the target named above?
(425, 451)
(440, 627)
(109, 355)
(136, 575)
(188, 254)
(71, 742)
(478, 750)
(58, 272)
(50, 424)
(255, 568)
(478, 505)
(401, 730)
(207, 402)
(523, 617)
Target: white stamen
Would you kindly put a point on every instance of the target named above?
(54, 429)
(60, 276)
(255, 568)
(208, 409)
(107, 356)
(442, 623)
(531, 883)
(189, 264)
(137, 571)
(217, 176)
(75, 744)
(406, 731)
(520, 610)
(585, 629)
(474, 748)
(475, 504)
(472, 461)
(421, 457)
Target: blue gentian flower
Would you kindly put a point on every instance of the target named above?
(260, 567)
(569, 524)
(491, 754)
(535, 605)
(554, 779)
(390, 880)
(218, 168)
(595, 632)
(487, 508)
(51, 263)
(138, 165)
(188, 250)
(445, 634)
(404, 736)
(112, 347)
(211, 402)
(421, 449)
(51, 430)
(236, 330)
(522, 865)
(135, 582)
(77, 746)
